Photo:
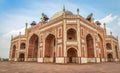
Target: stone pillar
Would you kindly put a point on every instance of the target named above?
(65, 39)
(94, 45)
(78, 38)
(118, 49)
(18, 49)
(10, 52)
(27, 42)
(43, 52)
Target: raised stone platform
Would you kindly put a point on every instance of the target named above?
(34, 67)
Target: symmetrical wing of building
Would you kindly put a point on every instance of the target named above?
(65, 38)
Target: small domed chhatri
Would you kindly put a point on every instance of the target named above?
(65, 38)
(33, 23)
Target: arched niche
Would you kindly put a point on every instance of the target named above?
(22, 46)
(71, 34)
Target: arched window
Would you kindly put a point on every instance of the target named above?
(108, 46)
(22, 46)
(71, 34)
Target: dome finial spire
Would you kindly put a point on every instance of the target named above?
(77, 11)
(63, 7)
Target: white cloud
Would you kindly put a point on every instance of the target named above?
(108, 30)
(109, 18)
(15, 32)
(5, 41)
(118, 22)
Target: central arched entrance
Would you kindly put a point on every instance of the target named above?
(72, 55)
(50, 48)
(33, 48)
(109, 57)
(22, 57)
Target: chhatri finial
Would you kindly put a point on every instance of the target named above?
(63, 7)
(111, 33)
(104, 25)
(26, 25)
(117, 37)
(19, 33)
(77, 11)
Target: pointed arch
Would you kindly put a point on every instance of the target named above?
(71, 34)
(110, 57)
(21, 57)
(90, 46)
(72, 55)
(50, 46)
(108, 46)
(33, 46)
(22, 46)
(13, 51)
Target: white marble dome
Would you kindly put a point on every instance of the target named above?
(58, 14)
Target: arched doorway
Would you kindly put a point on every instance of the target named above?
(33, 47)
(50, 48)
(72, 55)
(100, 43)
(71, 35)
(109, 57)
(13, 51)
(21, 57)
(90, 46)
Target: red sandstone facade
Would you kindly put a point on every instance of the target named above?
(65, 38)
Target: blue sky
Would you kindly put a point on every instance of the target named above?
(15, 13)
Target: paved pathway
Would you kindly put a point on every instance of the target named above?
(31, 67)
